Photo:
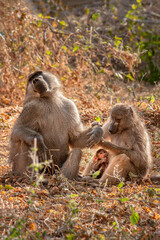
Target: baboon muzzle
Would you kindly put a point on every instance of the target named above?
(39, 85)
(113, 128)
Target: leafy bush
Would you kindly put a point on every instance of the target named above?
(146, 40)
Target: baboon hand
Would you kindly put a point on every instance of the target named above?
(42, 156)
(42, 149)
(95, 135)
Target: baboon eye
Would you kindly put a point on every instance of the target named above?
(118, 119)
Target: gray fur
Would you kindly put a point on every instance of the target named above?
(54, 120)
(128, 143)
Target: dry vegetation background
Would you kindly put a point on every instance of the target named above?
(96, 72)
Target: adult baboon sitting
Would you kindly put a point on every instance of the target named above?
(128, 144)
(54, 121)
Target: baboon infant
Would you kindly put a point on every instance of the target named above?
(98, 163)
(128, 144)
(54, 121)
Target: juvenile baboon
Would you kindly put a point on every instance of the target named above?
(54, 121)
(99, 163)
(128, 144)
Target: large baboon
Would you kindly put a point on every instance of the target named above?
(54, 121)
(128, 143)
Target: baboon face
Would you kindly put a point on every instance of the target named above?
(101, 153)
(120, 118)
(40, 83)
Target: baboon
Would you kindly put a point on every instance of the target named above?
(99, 163)
(54, 121)
(128, 144)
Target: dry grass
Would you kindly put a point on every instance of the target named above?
(90, 76)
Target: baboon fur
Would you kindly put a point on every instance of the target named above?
(98, 163)
(127, 140)
(54, 121)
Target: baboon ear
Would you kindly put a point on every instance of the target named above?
(131, 111)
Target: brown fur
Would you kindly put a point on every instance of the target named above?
(54, 120)
(98, 163)
(128, 143)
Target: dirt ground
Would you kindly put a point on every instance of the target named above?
(64, 209)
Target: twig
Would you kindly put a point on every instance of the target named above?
(155, 14)
(66, 180)
(90, 40)
(145, 21)
(64, 44)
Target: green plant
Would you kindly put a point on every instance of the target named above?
(17, 231)
(95, 16)
(134, 218)
(117, 42)
(146, 41)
